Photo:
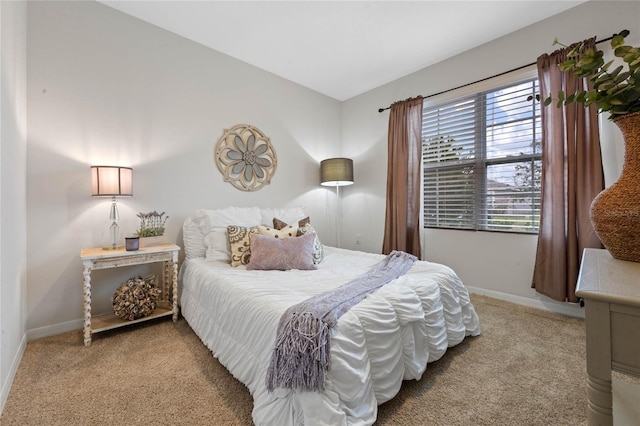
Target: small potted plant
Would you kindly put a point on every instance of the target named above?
(151, 231)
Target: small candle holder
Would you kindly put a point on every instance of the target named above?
(132, 243)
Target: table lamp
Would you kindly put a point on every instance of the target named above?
(112, 181)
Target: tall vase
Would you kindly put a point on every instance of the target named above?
(615, 212)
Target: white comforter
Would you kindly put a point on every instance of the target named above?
(388, 337)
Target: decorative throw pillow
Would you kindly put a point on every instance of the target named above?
(279, 224)
(240, 244)
(304, 228)
(318, 249)
(268, 253)
(285, 232)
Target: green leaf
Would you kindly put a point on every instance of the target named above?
(567, 65)
(622, 77)
(617, 40)
(606, 85)
(622, 51)
(616, 71)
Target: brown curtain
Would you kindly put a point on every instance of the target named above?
(402, 220)
(571, 177)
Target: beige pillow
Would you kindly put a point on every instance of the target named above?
(240, 243)
(279, 224)
(286, 232)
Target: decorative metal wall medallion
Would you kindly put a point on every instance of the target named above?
(245, 157)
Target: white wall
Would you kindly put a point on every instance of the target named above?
(13, 231)
(108, 89)
(488, 262)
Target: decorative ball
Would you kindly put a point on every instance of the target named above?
(136, 298)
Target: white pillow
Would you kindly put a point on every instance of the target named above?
(288, 215)
(217, 245)
(213, 225)
(221, 218)
(193, 238)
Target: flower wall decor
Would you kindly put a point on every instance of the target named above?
(245, 157)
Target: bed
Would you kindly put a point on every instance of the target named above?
(388, 337)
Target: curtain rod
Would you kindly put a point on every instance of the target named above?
(623, 33)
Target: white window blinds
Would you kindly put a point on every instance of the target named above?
(482, 160)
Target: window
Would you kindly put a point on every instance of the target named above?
(482, 160)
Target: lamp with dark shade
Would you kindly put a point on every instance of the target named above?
(336, 172)
(112, 181)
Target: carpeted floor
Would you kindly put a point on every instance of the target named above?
(527, 368)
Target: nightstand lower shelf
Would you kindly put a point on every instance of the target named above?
(110, 321)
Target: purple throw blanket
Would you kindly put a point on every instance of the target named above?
(300, 359)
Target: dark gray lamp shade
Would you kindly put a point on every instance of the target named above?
(336, 172)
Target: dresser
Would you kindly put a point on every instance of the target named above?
(610, 289)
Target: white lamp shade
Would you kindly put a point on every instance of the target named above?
(336, 172)
(111, 181)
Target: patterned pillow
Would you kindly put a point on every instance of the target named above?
(281, 254)
(318, 250)
(279, 224)
(240, 244)
(285, 232)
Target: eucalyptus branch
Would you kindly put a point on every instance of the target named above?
(616, 91)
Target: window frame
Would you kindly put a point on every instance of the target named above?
(480, 199)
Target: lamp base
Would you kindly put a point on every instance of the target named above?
(113, 248)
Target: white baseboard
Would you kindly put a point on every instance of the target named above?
(54, 329)
(570, 309)
(33, 334)
(6, 386)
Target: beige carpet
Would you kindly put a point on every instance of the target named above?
(527, 368)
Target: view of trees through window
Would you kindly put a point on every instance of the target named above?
(482, 161)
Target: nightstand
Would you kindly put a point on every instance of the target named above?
(99, 258)
(611, 292)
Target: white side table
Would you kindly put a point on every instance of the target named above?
(611, 292)
(99, 258)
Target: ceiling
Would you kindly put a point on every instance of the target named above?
(341, 48)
